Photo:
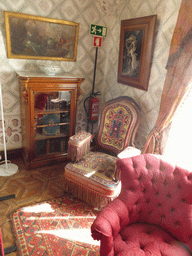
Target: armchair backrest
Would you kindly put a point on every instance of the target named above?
(118, 123)
(159, 193)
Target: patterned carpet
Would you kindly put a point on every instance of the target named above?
(56, 227)
(29, 187)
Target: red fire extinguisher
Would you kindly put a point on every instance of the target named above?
(93, 109)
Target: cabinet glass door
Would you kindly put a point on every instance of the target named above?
(51, 122)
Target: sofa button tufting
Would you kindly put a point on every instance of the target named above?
(159, 204)
(163, 217)
(147, 201)
(172, 209)
(176, 223)
(168, 195)
(157, 193)
(189, 177)
(183, 200)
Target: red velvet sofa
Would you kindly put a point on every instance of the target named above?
(153, 213)
(1, 245)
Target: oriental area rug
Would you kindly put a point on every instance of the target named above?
(55, 227)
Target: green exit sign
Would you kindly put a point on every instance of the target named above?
(97, 30)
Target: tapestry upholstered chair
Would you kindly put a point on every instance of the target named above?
(92, 179)
(153, 213)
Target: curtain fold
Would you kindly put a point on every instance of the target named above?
(178, 77)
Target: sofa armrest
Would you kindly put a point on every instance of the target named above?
(79, 145)
(108, 224)
(127, 152)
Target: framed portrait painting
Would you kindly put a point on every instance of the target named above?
(136, 51)
(35, 37)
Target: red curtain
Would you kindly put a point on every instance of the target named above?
(178, 77)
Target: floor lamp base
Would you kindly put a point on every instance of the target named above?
(10, 170)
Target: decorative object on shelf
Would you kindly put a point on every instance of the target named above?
(51, 119)
(50, 70)
(59, 104)
(6, 168)
(136, 50)
(35, 37)
(40, 100)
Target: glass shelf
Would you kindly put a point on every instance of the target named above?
(51, 122)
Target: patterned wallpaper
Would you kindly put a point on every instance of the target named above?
(86, 12)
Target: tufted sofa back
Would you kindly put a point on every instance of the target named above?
(159, 193)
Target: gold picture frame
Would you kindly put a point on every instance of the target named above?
(136, 51)
(35, 37)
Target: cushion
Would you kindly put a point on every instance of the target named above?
(94, 173)
(147, 239)
(79, 145)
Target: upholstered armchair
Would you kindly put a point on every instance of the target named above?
(153, 213)
(91, 177)
(1, 245)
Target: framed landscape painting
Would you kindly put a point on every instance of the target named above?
(136, 51)
(35, 37)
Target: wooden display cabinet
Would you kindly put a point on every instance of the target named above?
(48, 116)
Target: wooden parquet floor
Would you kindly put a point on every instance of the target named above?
(29, 186)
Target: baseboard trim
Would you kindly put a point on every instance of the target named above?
(12, 154)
